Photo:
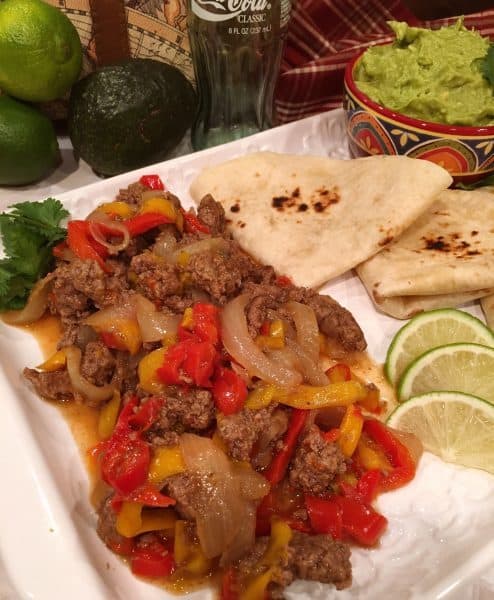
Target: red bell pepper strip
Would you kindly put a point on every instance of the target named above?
(284, 281)
(325, 516)
(340, 516)
(152, 558)
(192, 223)
(229, 585)
(112, 340)
(205, 324)
(83, 245)
(229, 391)
(153, 182)
(277, 469)
(339, 372)
(404, 466)
(189, 362)
(147, 494)
(125, 464)
(366, 489)
(147, 414)
(139, 224)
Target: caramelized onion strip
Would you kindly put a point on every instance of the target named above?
(242, 348)
(35, 306)
(94, 394)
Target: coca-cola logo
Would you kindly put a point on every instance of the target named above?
(223, 10)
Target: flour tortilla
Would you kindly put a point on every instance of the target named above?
(314, 218)
(488, 309)
(444, 259)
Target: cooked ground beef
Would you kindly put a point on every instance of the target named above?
(316, 463)
(316, 558)
(184, 410)
(106, 528)
(310, 557)
(97, 363)
(155, 278)
(187, 489)
(132, 194)
(54, 385)
(334, 321)
(241, 431)
(125, 372)
(211, 213)
(81, 285)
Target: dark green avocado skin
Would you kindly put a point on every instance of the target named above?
(129, 115)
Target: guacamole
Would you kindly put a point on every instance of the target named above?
(432, 75)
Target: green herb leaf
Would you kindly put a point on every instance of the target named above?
(29, 232)
(489, 180)
(487, 65)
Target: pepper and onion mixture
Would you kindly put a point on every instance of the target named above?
(236, 444)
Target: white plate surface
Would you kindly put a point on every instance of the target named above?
(439, 543)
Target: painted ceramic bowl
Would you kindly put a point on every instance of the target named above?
(466, 152)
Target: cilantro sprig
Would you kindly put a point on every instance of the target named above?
(29, 232)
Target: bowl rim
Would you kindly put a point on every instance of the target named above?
(451, 130)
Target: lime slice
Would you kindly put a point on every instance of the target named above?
(467, 368)
(459, 428)
(431, 329)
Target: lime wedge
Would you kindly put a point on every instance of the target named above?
(459, 428)
(467, 368)
(431, 329)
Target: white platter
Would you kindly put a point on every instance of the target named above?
(439, 543)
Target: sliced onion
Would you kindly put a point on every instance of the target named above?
(94, 394)
(307, 328)
(147, 194)
(36, 304)
(165, 244)
(311, 369)
(107, 318)
(154, 324)
(119, 229)
(242, 348)
(205, 245)
(227, 518)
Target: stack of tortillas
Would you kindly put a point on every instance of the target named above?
(415, 244)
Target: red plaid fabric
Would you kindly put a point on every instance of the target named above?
(325, 34)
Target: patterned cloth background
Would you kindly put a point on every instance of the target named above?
(323, 36)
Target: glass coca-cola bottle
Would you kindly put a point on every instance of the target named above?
(236, 48)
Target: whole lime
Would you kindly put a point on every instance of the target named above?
(40, 50)
(28, 144)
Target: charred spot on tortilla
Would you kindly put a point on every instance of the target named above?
(296, 193)
(474, 232)
(235, 208)
(387, 240)
(303, 207)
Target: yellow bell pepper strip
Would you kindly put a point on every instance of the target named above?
(133, 519)
(117, 208)
(310, 397)
(403, 465)
(275, 337)
(166, 461)
(350, 430)
(370, 456)
(159, 205)
(189, 557)
(277, 469)
(277, 549)
(147, 370)
(260, 397)
(372, 401)
(123, 334)
(56, 362)
(187, 320)
(108, 416)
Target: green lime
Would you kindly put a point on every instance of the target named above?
(40, 50)
(431, 329)
(467, 368)
(28, 144)
(457, 427)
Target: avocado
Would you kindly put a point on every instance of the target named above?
(125, 116)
